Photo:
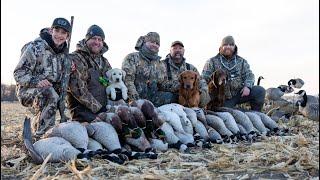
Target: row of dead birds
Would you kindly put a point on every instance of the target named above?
(284, 106)
(139, 130)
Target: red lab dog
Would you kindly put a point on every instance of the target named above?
(216, 89)
(189, 95)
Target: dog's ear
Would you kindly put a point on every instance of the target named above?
(180, 78)
(212, 78)
(197, 79)
(109, 74)
(123, 75)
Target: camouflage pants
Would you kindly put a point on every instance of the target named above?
(161, 98)
(255, 98)
(42, 102)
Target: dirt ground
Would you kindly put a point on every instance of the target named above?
(295, 156)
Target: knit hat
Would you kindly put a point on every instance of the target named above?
(94, 30)
(227, 40)
(177, 42)
(62, 23)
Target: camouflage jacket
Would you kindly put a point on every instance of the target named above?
(141, 73)
(173, 71)
(238, 71)
(80, 79)
(38, 61)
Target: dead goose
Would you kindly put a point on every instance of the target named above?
(308, 109)
(198, 126)
(105, 134)
(243, 132)
(94, 145)
(257, 122)
(240, 117)
(218, 124)
(73, 132)
(59, 148)
(229, 121)
(178, 109)
(201, 116)
(268, 122)
(171, 138)
(214, 136)
(296, 83)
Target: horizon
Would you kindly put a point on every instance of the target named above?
(279, 39)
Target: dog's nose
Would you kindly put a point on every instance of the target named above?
(117, 79)
(188, 86)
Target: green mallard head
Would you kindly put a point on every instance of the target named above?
(136, 133)
(160, 134)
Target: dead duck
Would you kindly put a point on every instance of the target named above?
(296, 83)
(243, 132)
(308, 109)
(128, 120)
(153, 122)
(73, 132)
(139, 144)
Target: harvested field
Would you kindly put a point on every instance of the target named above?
(278, 157)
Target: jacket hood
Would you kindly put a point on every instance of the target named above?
(47, 37)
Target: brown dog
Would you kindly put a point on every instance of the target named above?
(216, 89)
(189, 95)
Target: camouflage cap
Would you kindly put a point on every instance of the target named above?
(153, 37)
(227, 40)
(61, 23)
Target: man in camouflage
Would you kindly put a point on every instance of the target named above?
(87, 94)
(175, 64)
(40, 73)
(145, 75)
(239, 87)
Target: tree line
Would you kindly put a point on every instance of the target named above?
(8, 92)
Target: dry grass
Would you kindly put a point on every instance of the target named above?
(295, 156)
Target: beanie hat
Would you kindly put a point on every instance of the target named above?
(94, 30)
(61, 23)
(227, 40)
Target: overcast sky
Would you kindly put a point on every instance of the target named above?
(279, 38)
